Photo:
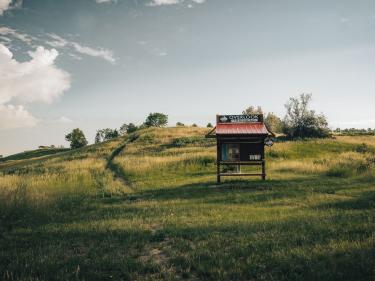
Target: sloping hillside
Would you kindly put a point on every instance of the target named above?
(33, 154)
(145, 207)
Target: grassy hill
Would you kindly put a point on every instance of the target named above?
(33, 154)
(146, 207)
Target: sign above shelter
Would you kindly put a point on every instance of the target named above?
(252, 118)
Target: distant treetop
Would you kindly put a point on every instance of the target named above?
(156, 120)
(302, 122)
(253, 110)
(76, 138)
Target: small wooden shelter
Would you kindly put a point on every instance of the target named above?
(240, 141)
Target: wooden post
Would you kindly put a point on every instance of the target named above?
(264, 170)
(218, 180)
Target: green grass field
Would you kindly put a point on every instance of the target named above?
(146, 207)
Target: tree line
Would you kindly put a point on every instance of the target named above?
(300, 121)
(77, 138)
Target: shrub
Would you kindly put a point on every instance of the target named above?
(277, 154)
(200, 161)
(340, 171)
(363, 168)
(146, 139)
(184, 141)
(362, 148)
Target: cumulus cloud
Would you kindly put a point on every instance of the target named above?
(4, 5)
(36, 80)
(60, 42)
(7, 4)
(13, 117)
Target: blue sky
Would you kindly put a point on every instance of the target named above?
(95, 63)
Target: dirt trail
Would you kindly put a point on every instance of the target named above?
(118, 171)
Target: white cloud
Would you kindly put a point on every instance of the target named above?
(57, 41)
(60, 42)
(163, 2)
(64, 119)
(4, 5)
(105, 1)
(36, 80)
(101, 53)
(172, 2)
(7, 5)
(7, 31)
(15, 117)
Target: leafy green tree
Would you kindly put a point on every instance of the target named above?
(194, 125)
(106, 134)
(98, 137)
(253, 110)
(273, 123)
(131, 128)
(127, 129)
(110, 134)
(156, 120)
(301, 122)
(76, 138)
(209, 125)
(179, 124)
(123, 129)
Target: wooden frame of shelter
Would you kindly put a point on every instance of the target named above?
(240, 141)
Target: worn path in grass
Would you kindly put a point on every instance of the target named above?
(117, 170)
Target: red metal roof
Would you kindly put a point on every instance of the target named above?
(241, 129)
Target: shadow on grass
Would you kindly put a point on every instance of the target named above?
(291, 249)
(364, 201)
(76, 209)
(252, 191)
